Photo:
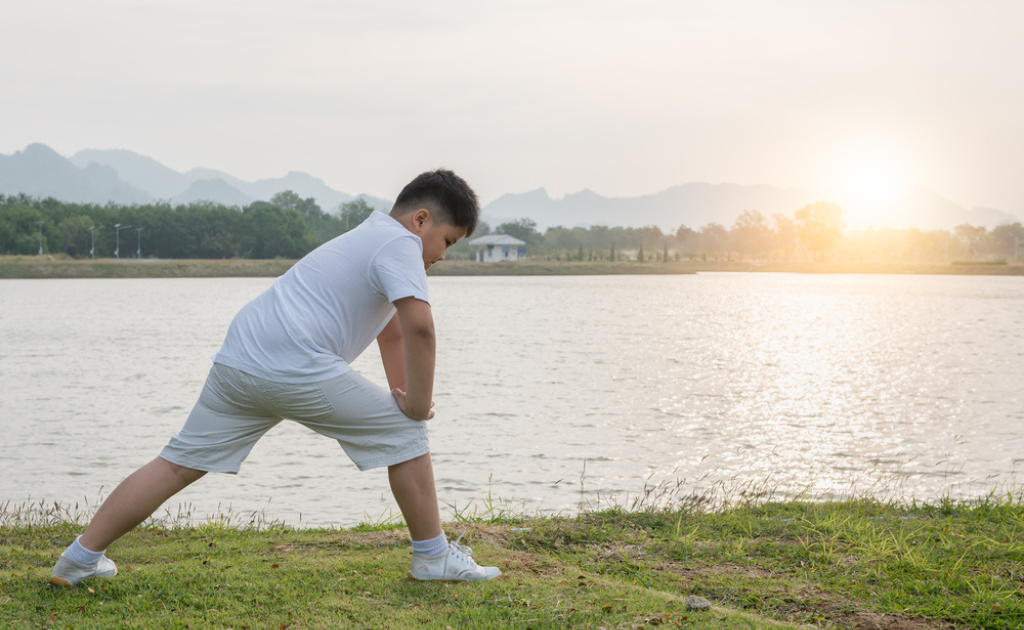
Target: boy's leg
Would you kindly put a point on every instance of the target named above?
(135, 499)
(369, 425)
(222, 428)
(412, 483)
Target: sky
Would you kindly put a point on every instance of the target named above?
(623, 98)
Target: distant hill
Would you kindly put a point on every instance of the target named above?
(696, 205)
(140, 171)
(693, 205)
(122, 176)
(39, 171)
(926, 209)
(206, 184)
(212, 190)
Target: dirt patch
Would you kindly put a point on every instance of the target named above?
(876, 621)
(513, 562)
(376, 539)
(483, 533)
(716, 570)
(803, 603)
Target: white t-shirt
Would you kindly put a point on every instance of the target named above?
(320, 315)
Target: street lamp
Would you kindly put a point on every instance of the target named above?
(92, 242)
(117, 247)
(40, 224)
(138, 246)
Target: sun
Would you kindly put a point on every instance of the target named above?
(873, 177)
(876, 182)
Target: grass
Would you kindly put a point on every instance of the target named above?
(64, 267)
(858, 563)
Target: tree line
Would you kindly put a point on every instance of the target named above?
(287, 226)
(814, 232)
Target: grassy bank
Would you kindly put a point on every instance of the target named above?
(35, 267)
(859, 564)
(549, 268)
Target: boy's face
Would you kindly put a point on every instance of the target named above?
(436, 237)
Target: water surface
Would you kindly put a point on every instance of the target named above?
(815, 382)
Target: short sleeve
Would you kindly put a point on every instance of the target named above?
(397, 270)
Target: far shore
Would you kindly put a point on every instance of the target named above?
(56, 267)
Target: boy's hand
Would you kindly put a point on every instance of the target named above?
(404, 405)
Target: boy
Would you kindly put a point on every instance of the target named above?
(287, 355)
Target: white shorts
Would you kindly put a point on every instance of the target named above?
(235, 409)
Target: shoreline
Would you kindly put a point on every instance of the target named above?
(32, 267)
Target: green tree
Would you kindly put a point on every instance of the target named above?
(971, 237)
(75, 235)
(274, 232)
(686, 240)
(1008, 240)
(291, 201)
(523, 229)
(713, 239)
(17, 222)
(783, 235)
(819, 226)
(353, 213)
(750, 236)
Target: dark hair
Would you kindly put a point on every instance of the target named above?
(448, 197)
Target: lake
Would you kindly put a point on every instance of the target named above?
(550, 390)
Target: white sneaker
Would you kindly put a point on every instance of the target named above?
(454, 564)
(69, 573)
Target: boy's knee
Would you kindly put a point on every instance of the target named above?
(187, 475)
(416, 462)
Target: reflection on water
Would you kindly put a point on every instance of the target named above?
(824, 383)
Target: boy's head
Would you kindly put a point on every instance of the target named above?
(446, 195)
(440, 208)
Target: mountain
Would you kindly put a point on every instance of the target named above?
(927, 210)
(302, 184)
(140, 171)
(196, 184)
(693, 205)
(216, 190)
(121, 176)
(39, 171)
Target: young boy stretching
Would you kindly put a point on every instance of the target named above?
(287, 355)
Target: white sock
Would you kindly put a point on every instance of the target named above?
(431, 547)
(80, 554)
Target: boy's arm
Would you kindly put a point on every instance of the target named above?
(417, 324)
(392, 353)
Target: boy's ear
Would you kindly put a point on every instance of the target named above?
(420, 218)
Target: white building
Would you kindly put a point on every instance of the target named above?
(498, 247)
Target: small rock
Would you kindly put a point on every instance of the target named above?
(697, 603)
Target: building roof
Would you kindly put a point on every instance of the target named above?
(497, 239)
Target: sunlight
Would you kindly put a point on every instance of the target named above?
(868, 179)
(875, 177)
